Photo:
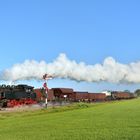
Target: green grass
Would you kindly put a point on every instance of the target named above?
(102, 121)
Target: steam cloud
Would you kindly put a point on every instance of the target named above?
(62, 67)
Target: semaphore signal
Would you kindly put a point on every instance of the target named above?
(46, 77)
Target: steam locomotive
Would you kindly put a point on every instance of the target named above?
(11, 96)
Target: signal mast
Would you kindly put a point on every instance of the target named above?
(46, 77)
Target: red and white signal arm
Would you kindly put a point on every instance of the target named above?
(46, 77)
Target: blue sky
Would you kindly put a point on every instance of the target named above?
(85, 30)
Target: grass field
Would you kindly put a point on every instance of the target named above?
(102, 121)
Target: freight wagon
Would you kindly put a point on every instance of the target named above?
(116, 95)
(41, 95)
(63, 93)
(80, 96)
(97, 97)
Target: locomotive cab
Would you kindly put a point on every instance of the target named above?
(2, 95)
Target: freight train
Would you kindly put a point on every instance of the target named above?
(11, 96)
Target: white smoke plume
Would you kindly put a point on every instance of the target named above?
(62, 67)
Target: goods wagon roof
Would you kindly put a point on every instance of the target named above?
(64, 90)
(81, 92)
